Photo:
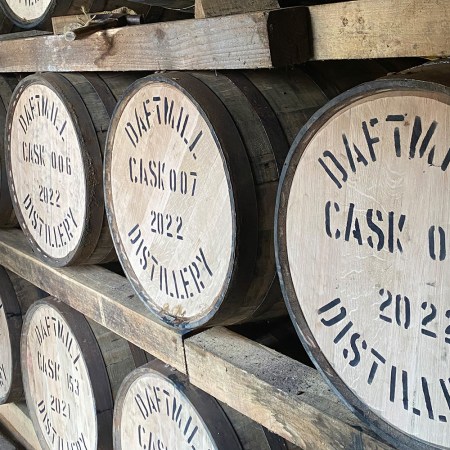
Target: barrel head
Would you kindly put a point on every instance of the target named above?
(65, 381)
(363, 223)
(54, 168)
(171, 199)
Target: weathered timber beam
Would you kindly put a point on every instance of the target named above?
(255, 40)
(16, 420)
(97, 293)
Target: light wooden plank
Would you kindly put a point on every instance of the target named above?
(256, 40)
(215, 8)
(98, 293)
(285, 396)
(380, 29)
(16, 421)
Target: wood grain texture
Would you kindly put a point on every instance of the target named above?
(215, 8)
(105, 297)
(14, 417)
(285, 396)
(380, 29)
(262, 39)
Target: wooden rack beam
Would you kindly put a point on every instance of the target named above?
(255, 40)
(278, 392)
(348, 30)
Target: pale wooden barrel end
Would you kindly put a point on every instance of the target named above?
(56, 129)
(362, 248)
(72, 369)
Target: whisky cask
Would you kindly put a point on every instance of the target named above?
(16, 296)
(31, 14)
(7, 216)
(198, 156)
(362, 248)
(72, 369)
(56, 128)
(157, 407)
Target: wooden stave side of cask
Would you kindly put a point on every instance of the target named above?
(7, 215)
(6, 26)
(16, 297)
(105, 356)
(62, 8)
(430, 79)
(227, 428)
(89, 102)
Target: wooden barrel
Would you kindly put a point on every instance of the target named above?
(7, 216)
(72, 369)
(157, 407)
(16, 296)
(56, 128)
(363, 229)
(198, 156)
(31, 14)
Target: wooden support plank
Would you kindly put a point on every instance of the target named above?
(15, 419)
(99, 294)
(255, 40)
(285, 396)
(215, 8)
(380, 29)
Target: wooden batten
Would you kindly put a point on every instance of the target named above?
(157, 405)
(56, 131)
(16, 296)
(72, 370)
(364, 260)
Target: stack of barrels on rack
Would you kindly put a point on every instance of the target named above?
(227, 197)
